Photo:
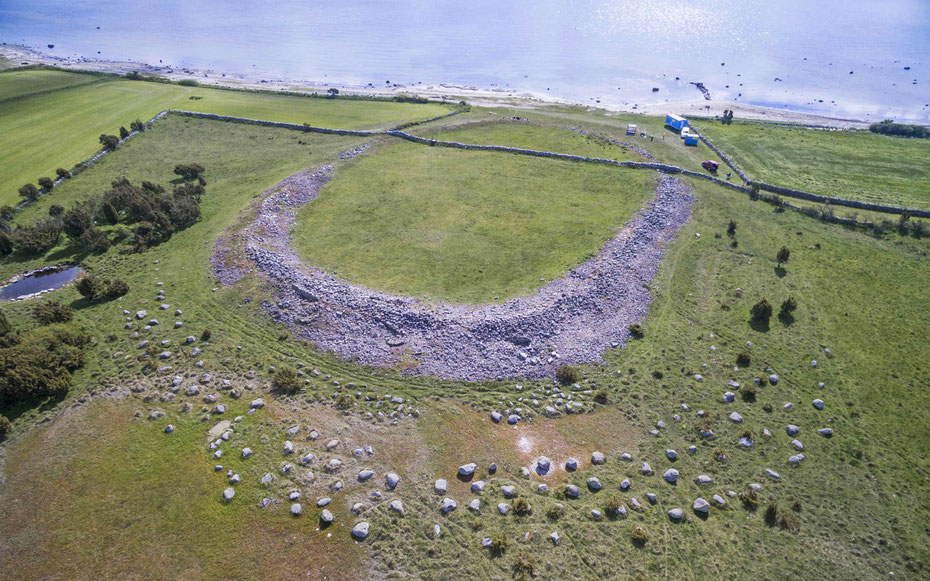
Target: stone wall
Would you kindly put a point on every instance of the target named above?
(840, 201)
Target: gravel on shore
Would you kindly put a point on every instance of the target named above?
(570, 320)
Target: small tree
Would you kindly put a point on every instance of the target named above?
(109, 142)
(761, 311)
(189, 172)
(7, 213)
(75, 221)
(29, 192)
(333, 91)
(285, 379)
(783, 255)
(788, 306)
(123, 133)
(62, 173)
(731, 229)
(110, 213)
(56, 211)
(51, 312)
(46, 183)
(93, 240)
(116, 288)
(137, 125)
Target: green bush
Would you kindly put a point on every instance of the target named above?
(51, 312)
(189, 172)
(612, 506)
(123, 133)
(56, 211)
(750, 498)
(205, 336)
(46, 183)
(600, 396)
(636, 331)
(285, 379)
(743, 359)
(521, 506)
(39, 363)
(188, 83)
(524, 567)
(566, 374)
(137, 125)
(783, 255)
(749, 392)
(761, 311)
(75, 221)
(499, 543)
(731, 229)
(90, 287)
(555, 512)
(116, 288)
(109, 142)
(39, 237)
(94, 240)
(62, 173)
(639, 536)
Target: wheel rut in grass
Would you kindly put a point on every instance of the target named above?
(570, 320)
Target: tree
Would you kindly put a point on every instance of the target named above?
(761, 311)
(30, 192)
(56, 211)
(93, 240)
(6, 244)
(51, 312)
(783, 255)
(333, 91)
(7, 213)
(46, 183)
(62, 173)
(110, 213)
(123, 133)
(75, 221)
(90, 287)
(731, 229)
(109, 142)
(39, 237)
(137, 125)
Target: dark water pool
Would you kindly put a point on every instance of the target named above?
(40, 281)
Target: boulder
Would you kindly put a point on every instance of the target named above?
(229, 493)
(647, 469)
(169, 428)
(477, 487)
(735, 417)
(512, 419)
(555, 538)
(326, 516)
(773, 379)
(296, 509)
(818, 403)
(543, 464)
(594, 484)
(671, 476)
(365, 474)
(267, 478)
(797, 444)
(671, 454)
(288, 447)
(652, 498)
(508, 490)
(467, 470)
(323, 502)
(719, 500)
(676, 514)
(257, 403)
(772, 474)
(597, 458)
(503, 508)
(701, 506)
(729, 396)
(246, 452)
(496, 417)
(704, 479)
(440, 486)
(360, 531)
(793, 430)
(571, 465)
(474, 505)
(392, 480)
(447, 505)
(625, 485)
(572, 491)
(825, 432)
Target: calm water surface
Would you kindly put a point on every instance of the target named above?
(47, 280)
(836, 57)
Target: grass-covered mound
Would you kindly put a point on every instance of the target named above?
(59, 129)
(842, 164)
(464, 226)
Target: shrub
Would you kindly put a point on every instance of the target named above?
(639, 536)
(658, 374)
(636, 331)
(524, 567)
(285, 379)
(521, 506)
(205, 336)
(56, 211)
(731, 229)
(761, 311)
(123, 133)
(750, 499)
(51, 312)
(39, 237)
(90, 287)
(600, 396)
(109, 142)
(5, 427)
(40, 362)
(333, 91)
(788, 306)
(62, 173)
(566, 374)
(189, 171)
(137, 125)
(188, 83)
(749, 392)
(110, 213)
(555, 512)
(6, 244)
(29, 192)
(743, 359)
(7, 213)
(46, 183)
(75, 221)
(116, 288)
(5, 326)
(889, 127)
(783, 255)
(499, 543)
(789, 521)
(93, 240)
(612, 506)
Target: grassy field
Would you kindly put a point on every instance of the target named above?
(490, 229)
(101, 492)
(61, 128)
(855, 165)
(16, 84)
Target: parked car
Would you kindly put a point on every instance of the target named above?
(710, 165)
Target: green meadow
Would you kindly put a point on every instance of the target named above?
(90, 488)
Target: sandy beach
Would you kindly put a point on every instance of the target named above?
(699, 107)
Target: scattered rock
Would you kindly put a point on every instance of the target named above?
(597, 458)
(229, 493)
(448, 505)
(467, 470)
(701, 506)
(676, 514)
(671, 476)
(360, 531)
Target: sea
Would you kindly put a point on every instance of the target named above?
(863, 59)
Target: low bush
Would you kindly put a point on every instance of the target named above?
(743, 359)
(5, 427)
(39, 363)
(789, 521)
(137, 125)
(188, 83)
(731, 229)
(555, 512)
(46, 183)
(636, 331)
(285, 379)
(658, 373)
(123, 133)
(499, 543)
(109, 142)
(116, 288)
(521, 506)
(62, 173)
(525, 566)
(39, 237)
(639, 536)
(749, 392)
(600, 396)
(612, 506)
(56, 211)
(205, 336)
(566, 374)
(51, 312)
(750, 499)
(90, 287)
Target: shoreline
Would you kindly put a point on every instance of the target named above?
(699, 107)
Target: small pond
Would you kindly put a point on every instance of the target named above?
(43, 280)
